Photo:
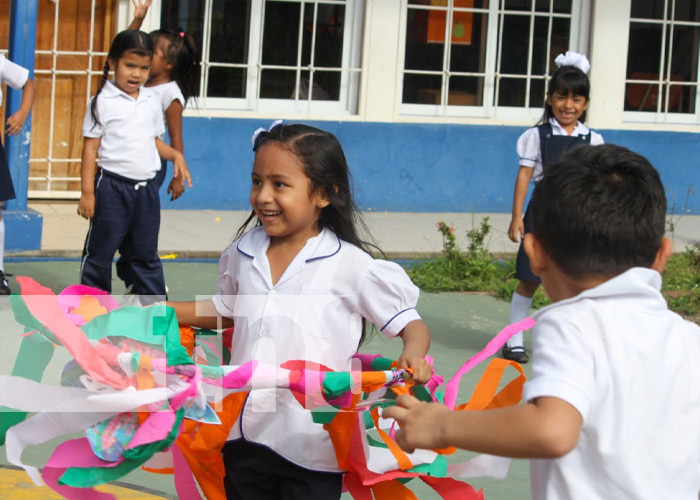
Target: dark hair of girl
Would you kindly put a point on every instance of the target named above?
(327, 169)
(566, 80)
(132, 41)
(180, 51)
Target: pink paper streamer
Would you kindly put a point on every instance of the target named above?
(42, 304)
(185, 485)
(50, 475)
(237, 378)
(366, 360)
(77, 453)
(156, 428)
(310, 385)
(491, 348)
(74, 453)
(69, 300)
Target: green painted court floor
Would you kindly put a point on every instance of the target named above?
(460, 325)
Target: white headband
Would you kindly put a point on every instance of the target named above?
(573, 59)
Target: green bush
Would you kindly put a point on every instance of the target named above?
(476, 270)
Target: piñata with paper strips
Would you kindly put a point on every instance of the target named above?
(148, 394)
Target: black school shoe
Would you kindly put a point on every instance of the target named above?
(516, 353)
(4, 285)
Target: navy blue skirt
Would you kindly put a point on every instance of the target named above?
(7, 189)
(522, 262)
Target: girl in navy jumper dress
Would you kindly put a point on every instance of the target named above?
(16, 77)
(560, 129)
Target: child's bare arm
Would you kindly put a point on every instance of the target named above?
(173, 119)
(15, 122)
(88, 169)
(416, 342)
(548, 427)
(517, 229)
(200, 314)
(140, 11)
(179, 165)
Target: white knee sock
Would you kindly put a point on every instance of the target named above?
(519, 310)
(2, 244)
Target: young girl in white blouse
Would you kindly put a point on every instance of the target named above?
(560, 129)
(172, 77)
(298, 286)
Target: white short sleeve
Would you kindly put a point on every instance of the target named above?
(528, 148)
(224, 300)
(388, 297)
(596, 139)
(562, 364)
(168, 93)
(90, 128)
(13, 74)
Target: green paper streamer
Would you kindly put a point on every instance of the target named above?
(335, 384)
(381, 364)
(130, 321)
(35, 352)
(438, 468)
(323, 415)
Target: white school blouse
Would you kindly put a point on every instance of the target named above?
(630, 367)
(167, 93)
(530, 151)
(12, 74)
(128, 130)
(312, 313)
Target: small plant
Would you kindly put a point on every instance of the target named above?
(477, 270)
(449, 241)
(474, 270)
(477, 237)
(673, 219)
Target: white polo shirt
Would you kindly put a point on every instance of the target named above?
(127, 133)
(529, 147)
(312, 313)
(12, 74)
(631, 368)
(167, 93)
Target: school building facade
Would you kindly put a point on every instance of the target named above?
(427, 97)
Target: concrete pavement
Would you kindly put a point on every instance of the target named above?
(204, 233)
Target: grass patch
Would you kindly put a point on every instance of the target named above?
(476, 270)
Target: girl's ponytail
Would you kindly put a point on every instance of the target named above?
(93, 106)
(182, 52)
(188, 61)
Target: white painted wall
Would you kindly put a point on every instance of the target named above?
(382, 53)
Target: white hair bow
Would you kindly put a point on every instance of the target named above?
(260, 130)
(573, 59)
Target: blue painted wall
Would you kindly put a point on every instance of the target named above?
(414, 167)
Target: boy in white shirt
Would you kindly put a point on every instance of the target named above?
(613, 406)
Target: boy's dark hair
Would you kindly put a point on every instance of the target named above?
(181, 52)
(565, 80)
(599, 210)
(133, 41)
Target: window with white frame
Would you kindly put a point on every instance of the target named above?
(662, 61)
(289, 56)
(485, 57)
